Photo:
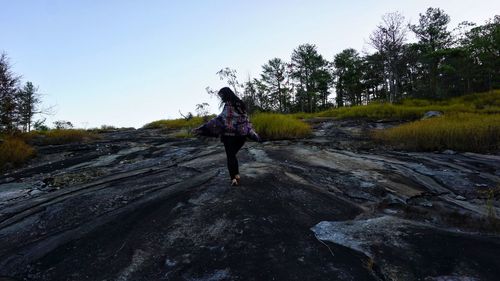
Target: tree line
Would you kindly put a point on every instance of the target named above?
(441, 64)
(18, 103)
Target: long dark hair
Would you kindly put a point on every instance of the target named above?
(228, 96)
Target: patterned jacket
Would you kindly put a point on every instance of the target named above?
(229, 122)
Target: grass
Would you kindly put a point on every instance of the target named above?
(59, 136)
(449, 132)
(14, 151)
(268, 125)
(183, 134)
(386, 111)
(413, 109)
(274, 126)
(175, 124)
(458, 131)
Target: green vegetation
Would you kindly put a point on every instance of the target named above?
(15, 151)
(267, 125)
(440, 64)
(458, 131)
(59, 136)
(470, 123)
(412, 109)
(175, 124)
(184, 134)
(279, 126)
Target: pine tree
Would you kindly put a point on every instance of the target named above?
(9, 82)
(29, 100)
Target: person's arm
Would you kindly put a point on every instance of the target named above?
(254, 136)
(212, 128)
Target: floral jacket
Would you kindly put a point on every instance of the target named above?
(228, 123)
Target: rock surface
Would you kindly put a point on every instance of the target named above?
(139, 205)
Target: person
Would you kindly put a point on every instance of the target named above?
(233, 126)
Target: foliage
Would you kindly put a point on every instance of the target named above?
(202, 109)
(29, 100)
(273, 78)
(9, 83)
(388, 39)
(348, 77)
(279, 126)
(460, 131)
(63, 125)
(18, 106)
(14, 151)
(312, 77)
(39, 125)
(440, 65)
(107, 128)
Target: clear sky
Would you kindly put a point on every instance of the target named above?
(127, 62)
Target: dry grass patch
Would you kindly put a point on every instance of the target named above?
(279, 126)
(175, 124)
(183, 134)
(14, 151)
(413, 109)
(59, 136)
(459, 131)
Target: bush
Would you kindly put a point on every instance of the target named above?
(279, 126)
(15, 151)
(459, 131)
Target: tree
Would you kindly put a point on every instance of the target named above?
(202, 109)
(433, 36)
(388, 39)
(431, 30)
(323, 81)
(347, 71)
(9, 82)
(231, 78)
(250, 96)
(483, 46)
(29, 100)
(63, 125)
(373, 77)
(308, 67)
(273, 77)
(39, 125)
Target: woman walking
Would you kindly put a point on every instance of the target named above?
(233, 127)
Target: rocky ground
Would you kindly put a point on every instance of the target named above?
(140, 205)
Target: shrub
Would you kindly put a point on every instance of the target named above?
(459, 131)
(15, 151)
(279, 126)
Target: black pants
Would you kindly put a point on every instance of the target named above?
(232, 146)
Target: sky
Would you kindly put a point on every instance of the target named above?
(126, 63)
